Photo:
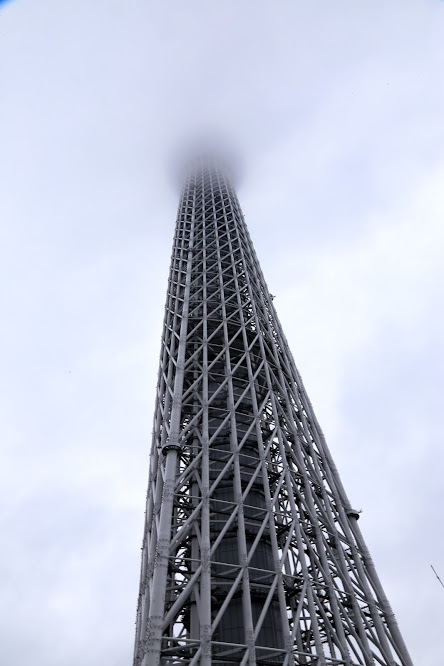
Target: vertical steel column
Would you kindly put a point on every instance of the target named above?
(170, 451)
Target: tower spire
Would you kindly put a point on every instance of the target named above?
(251, 551)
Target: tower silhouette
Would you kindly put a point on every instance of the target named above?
(251, 551)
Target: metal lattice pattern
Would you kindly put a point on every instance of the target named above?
(251, 553)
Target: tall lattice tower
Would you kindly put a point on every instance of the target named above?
(251, 552)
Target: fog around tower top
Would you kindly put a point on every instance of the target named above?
(214, 149)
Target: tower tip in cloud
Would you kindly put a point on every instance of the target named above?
(212, 149)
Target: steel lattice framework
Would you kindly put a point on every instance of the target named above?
(251, 552)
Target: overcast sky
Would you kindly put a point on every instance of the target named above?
(336, 109)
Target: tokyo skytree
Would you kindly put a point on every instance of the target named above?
(251, 552)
